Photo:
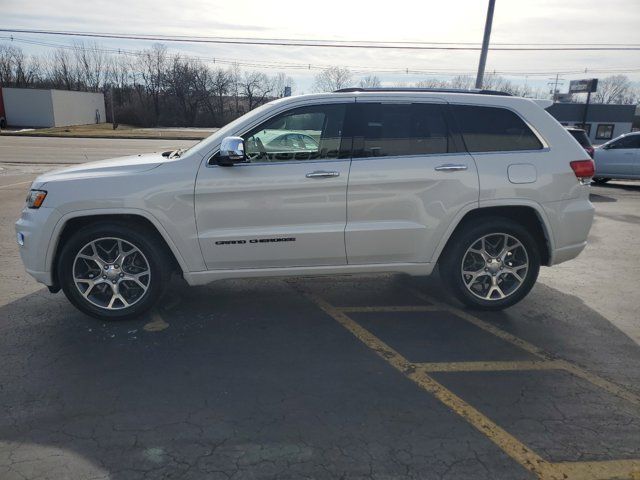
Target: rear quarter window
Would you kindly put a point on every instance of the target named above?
(581, 137)
(493, 129)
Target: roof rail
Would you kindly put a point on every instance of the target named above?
(429, 90)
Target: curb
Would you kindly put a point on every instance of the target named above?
(114, 137)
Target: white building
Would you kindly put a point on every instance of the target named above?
(603, 122)
(31, 107)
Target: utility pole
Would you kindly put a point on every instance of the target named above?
(554, 90)
(114, 125)
(485, 44)
(586, 110)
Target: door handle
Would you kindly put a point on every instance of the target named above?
(451, 167)
(322, 174)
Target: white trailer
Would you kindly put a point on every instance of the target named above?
(32, 107)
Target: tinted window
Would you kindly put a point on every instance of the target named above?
(630, 141)
(382, 130)
(492, 129)
(581, 137)
(306, 133)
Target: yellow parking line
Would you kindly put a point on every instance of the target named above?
(504, 440)
(575, 370)
(401, 308)
(607, 469)
(488, 366)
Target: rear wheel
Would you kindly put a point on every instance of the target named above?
(600, 180)
(112, 271)
(490, 264)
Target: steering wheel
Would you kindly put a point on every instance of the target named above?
(260, 146)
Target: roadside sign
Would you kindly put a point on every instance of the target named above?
(583, 86)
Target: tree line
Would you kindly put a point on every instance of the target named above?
(152, 87)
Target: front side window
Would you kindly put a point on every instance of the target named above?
(629, 141)
(493, 129)
(306, 133)
(604, 131)
(384, 130)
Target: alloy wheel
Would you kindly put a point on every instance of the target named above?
(495, 266)
(111, 273)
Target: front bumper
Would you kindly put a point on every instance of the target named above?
(35, 226)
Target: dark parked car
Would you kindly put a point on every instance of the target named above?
(583, 139)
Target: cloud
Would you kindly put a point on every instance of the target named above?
(516, 21)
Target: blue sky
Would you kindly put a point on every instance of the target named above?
(516, 21)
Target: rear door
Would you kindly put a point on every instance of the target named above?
(409, 178)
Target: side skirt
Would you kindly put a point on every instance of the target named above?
(202, 278)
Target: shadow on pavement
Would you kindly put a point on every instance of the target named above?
(251, 379)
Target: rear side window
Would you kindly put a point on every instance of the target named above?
(493, 129)
(581, 137)
(383, 130)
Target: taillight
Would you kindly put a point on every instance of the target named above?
(583, 168)
(590, 151)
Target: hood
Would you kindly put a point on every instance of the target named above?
(103, 168)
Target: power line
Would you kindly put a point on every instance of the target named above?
(318, 43)
(305, 66)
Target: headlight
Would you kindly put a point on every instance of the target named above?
(35, 198)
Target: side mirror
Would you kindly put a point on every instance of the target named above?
(231, 152)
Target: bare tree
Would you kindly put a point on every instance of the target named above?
(431, 83)
(154, 65)
(91, 63)
(16, 69)
(370, 81)
(280, 81)
(332, 78)
(614, 89)
(235, 75)
(61, 70)
(464, 82)
(184, 81)
(256, 87)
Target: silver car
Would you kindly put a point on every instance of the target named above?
(618, 158)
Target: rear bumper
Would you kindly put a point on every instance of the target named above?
(570, 222)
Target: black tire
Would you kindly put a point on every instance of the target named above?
(450, 262)
(146, 241)
(600, 180)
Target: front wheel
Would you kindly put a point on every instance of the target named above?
(112, 271)
(490, 264)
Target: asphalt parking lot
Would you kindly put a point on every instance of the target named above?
(377, 377)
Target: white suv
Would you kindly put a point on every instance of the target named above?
(486, 185)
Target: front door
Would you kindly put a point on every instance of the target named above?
(619, 157)
(285, 207)
(408, 180)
